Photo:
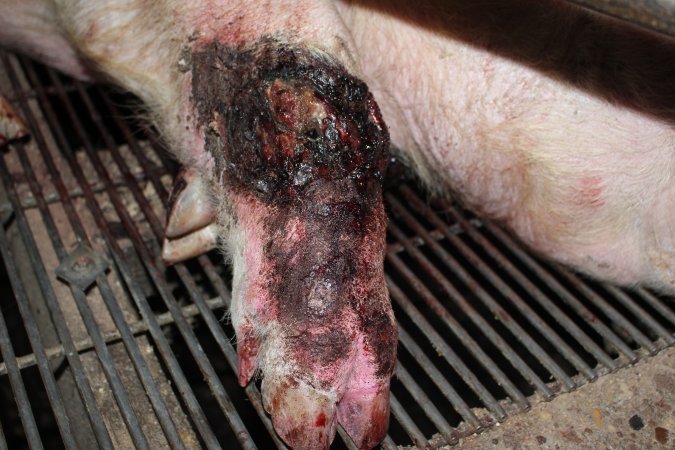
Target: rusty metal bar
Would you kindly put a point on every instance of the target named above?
(427, 405)
(527, 312)
(19, 388)
(93, 329)
(657, 304)
(564, 294)
(478, 320)
(406, 422)
(91, 202)
(105, 357)
(152, 267)
(82, 383)
(207, 314)
(83, 345)
(196, 413)
(155, 267)
(655, 15)
(640, 313)
(35, 339)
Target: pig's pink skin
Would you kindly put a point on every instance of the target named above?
(471, 112)
(587, 181)
(353, 376)
(581, 166)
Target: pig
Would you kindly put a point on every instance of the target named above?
(555, 122)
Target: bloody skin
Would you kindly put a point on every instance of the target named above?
(295, 132)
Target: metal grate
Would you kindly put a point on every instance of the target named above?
(139, 354)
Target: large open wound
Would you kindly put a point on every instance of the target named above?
(277, 117)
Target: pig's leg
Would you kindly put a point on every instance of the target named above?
(190, 226)
(11, 124)
(299, 149)
(31, 27)
(566, 137)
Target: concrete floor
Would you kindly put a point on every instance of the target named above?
(633, 408)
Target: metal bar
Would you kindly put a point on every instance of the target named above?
(35, 339)
(227, 350)
(406, 422)
(3, 441)
(466, 306)
(54, 197)
(388, 444)
(23, 94)
(137, 328)
(140, 366)
(174, 369)
(151, 388)
(475, 317)
(425, 363)
(517, 275)
(610, 311)
(213, 325)
(346, 439)
(467, 340)
(18, 387)
(498, 312)
(158, 337)
(454, 326)
(152, 266)
(640, 313)
(527, 312)
(200, 357)
(81, 381)
(655, 303)
(656, 15)
(425, 402)
(158, 403)
(93, 329)
(450, 356)
(104, 355)
(563, 293)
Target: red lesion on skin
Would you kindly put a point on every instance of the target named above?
(590, 191)
(320, 420)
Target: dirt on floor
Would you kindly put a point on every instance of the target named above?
(633, 408)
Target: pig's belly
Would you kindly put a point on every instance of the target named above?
(586, 182)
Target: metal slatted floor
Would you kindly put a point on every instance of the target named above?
(102, 345)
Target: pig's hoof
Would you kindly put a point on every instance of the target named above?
(190, 229)
(308, 389)
(365, 415)
(306, 418)
(12, 125)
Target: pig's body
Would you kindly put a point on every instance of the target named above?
(556, 125)
(479, 107)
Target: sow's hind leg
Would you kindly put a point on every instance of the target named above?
(30, 27)
(26, 26)
(299, 150)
